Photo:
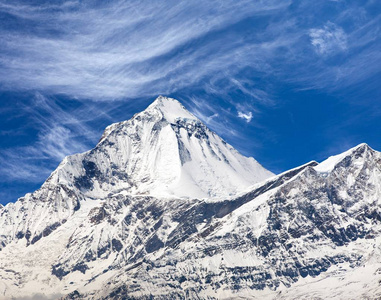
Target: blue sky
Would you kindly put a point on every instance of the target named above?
(283, 81)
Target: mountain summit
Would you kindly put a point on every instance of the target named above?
(163, 151)
(171, 109)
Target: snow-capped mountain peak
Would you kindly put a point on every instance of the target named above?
(162, 151)
(171, 109)
(356, 152)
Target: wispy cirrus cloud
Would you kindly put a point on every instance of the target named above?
(330, 38)
(60, 133)
(119, 50)
(122, 50)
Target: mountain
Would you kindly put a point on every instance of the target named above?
(162, 208)
(164, 151)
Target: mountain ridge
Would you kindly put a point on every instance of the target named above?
(92, 231)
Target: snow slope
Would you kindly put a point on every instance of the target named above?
(162, 151)
(299, 235)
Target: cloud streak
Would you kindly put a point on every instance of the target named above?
(60, 132)
(123, 50)
(115, 51)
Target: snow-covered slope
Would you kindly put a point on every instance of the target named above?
(162, 151)
(303, 234)
(157, 211)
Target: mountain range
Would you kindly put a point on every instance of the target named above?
(163, 208)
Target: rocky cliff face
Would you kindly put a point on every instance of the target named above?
(143, 215)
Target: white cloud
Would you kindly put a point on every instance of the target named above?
(245, 115)
(119, 50)
(329, 39)
(116, 51)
